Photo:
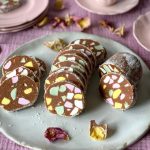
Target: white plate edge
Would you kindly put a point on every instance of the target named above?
(134, 33)
(108, 14)
(57, 33)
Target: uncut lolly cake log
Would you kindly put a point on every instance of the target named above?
(124, 63)
(66, 85)
(120, 76)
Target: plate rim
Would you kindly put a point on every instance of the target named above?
(27, 19)
(58, 33)
(26, 25)
(103, 13)
(134, 32)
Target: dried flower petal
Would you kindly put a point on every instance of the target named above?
(56, 45)
(68, 20)
(98, 132)
(111, 29)
(57, 21)
(120, 31)
(75, 18)
(59, 4)
(53, 134)
(43, 22)
(63, 25)
(84, 23)
(104, 24)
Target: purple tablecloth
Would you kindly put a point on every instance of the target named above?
(9, 42)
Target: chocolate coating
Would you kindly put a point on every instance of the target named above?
(64, 99)
(95, 47)
(63, 75)
(117, 91)
(17, 93)
(18, 61)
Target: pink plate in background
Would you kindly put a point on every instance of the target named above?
(120, 7)
(141, 30)
(29, 10)
(26, 25)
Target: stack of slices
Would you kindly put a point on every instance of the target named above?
(20, 83)
(66, 85)
(119, 78)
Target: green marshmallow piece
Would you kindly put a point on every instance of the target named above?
(59, 110)
(71, 69)
(99, 47)
(102, 70)
(13, 93)
(110, 67)
(4, 2)
(53, 68)
(23, 60)
(64, 98)
(126, 105)
(62, 58)
(82, 62)
(54, 91)
(77, 42)
(110, 93)
(107, 68)
(62, 88)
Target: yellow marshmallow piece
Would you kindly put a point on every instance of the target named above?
(28, 91)
(48, 101)
(118, 105)
(116, 70)
(28, 64)
(126, 105)
(116, 93)
(50, 107)
(59, 79)
(47, 82)
(78, 96)
(5, 101)
(104, 86)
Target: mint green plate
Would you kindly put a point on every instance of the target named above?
(26, 127)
